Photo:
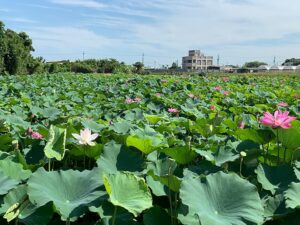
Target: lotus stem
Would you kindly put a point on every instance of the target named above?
(49, 165)
(84, 157)
(242, 155)
(169, 196)
(114, 216)
(68, 221)
(16, 221)
(241, 163)
(278, 151)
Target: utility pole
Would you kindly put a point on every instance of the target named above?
(218, 60)
(274, 61)
(83, 53)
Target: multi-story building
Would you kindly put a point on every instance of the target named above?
(196, 61)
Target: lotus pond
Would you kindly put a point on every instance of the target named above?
(149, 150)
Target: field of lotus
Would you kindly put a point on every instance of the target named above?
(149, 150)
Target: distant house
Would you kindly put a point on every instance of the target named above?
(289, 68)
(196, 61)
(228, 69)
(276, 68)
(58, 62)
(263, 68)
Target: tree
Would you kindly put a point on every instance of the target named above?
(15, 53)
(291, 62)
(254, 64)
(2, 48)
(138, 67)
(174, 66)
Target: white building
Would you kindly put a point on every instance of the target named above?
(196, 61)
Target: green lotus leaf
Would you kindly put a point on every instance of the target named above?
(153, 119)
(146, 140)
(182, 155)
(292, 196)
(275, 179)
(297, 173)
(121, 127)
(163, 171)
(186, 217)
(7, 183)
(116, 157)
(16, 204)
(216, 202)
(5, 142)
(275, 207)
(51, 112)
(257, 136)
(56, 145)
(16, 122)
(15, 197)
(128, 191)
(14, 170)
(70, 191)
(290, 137)
(92, 125)
(106, 212)
(156, 187)
(223, 155)
(156, 216)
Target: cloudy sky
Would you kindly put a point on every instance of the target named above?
(164, 30)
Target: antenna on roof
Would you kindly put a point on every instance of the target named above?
(274, 61)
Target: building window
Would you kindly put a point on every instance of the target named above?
(189, 61)
(194, 61)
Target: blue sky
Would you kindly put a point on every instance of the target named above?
(164, 30)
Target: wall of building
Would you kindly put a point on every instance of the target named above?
(196, 61)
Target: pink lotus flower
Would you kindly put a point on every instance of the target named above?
(191, 95)
(86, 137)
(129, 100)
(282, 104)
(36, 135)
(137, 99)
(280, 119)
(218, 88)
(172, 110)
(226, 93)
(241, 125)
(158, 94)
(212, 107)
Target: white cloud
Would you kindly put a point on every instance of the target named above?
(83, 3)
(166, 30)
(68, 42)
(20, 20)
(222, 25)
